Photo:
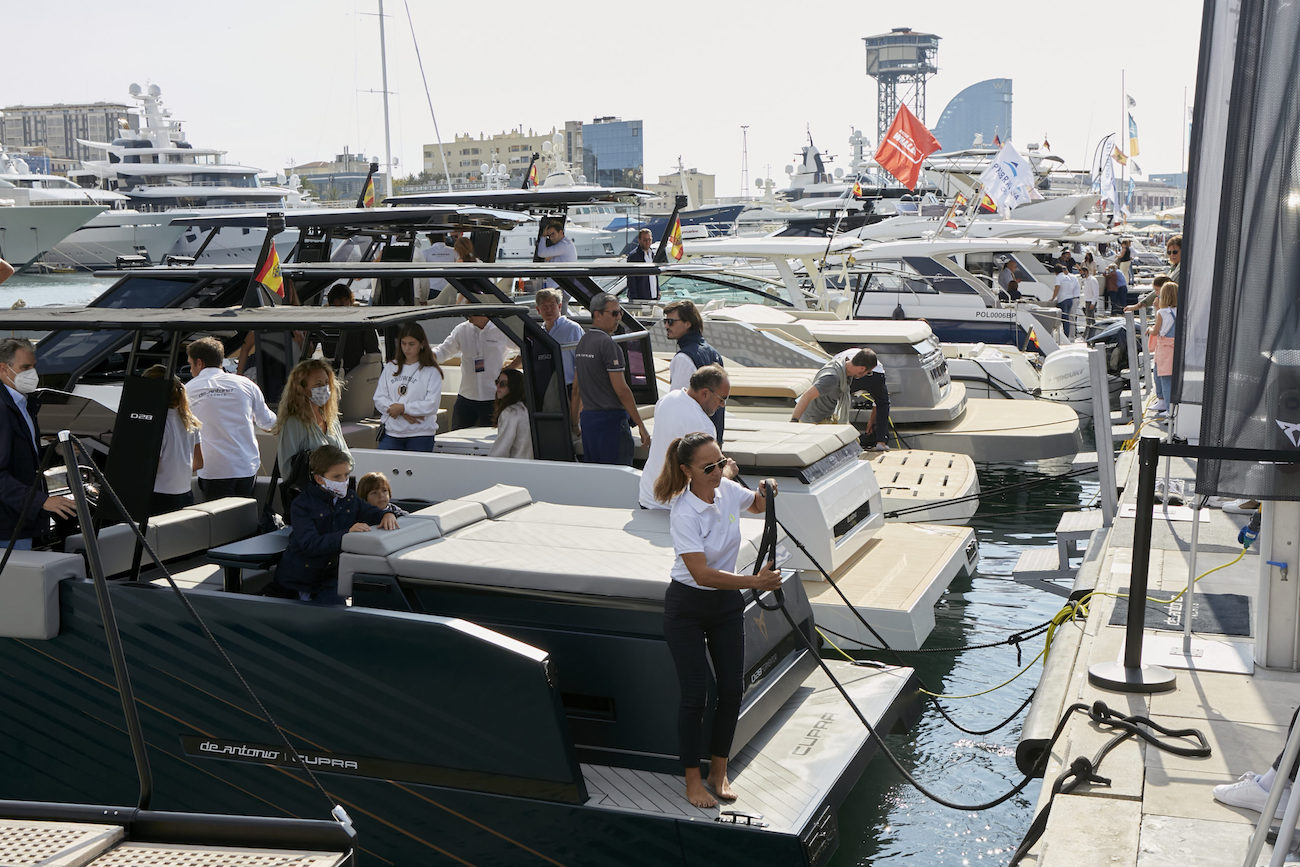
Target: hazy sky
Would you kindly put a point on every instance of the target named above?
(281, 80)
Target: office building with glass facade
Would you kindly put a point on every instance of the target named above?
(612, 152)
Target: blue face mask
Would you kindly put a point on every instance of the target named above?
(338, 489)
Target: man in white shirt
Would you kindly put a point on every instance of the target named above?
(482, 349)
(679, 412)
(1064, 294)
(436, 289)
(228, 405)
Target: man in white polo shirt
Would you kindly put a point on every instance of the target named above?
(229, 406)
(482, 349)
(683, 411)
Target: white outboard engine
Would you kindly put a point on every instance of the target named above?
(1064, 378)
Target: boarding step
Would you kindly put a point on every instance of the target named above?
(74, 844)
(1072, 531)
(1041, 568)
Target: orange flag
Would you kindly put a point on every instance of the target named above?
(906, 145)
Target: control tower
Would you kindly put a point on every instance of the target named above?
(900, 60)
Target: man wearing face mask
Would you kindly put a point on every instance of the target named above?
(20, 449)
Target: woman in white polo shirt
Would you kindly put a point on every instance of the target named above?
(703, 607)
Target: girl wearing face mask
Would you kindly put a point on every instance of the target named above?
(308, 418)
(408, 393)
(327, 509)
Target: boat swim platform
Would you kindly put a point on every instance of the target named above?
(899, 601)
(788, 772)
(33, 842)
(994, 430)
(910, 478)
(1158, 809)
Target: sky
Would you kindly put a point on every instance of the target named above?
(281, 82)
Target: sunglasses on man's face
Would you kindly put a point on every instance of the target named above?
(716, 465)
(668, 321)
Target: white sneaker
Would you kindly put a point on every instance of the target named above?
(1160, 406)
(1248, 794)
(1240, 507)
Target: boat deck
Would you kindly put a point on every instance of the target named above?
(788, 771)
(74, 844)
(912, 478)
(1159, 809)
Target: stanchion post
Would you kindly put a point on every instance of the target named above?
(1134, 370)
(1105, 440)
(1131, 675)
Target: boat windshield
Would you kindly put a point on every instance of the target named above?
(728, 288)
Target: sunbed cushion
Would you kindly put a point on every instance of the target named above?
(451, 515)
(381, 543)
(179, 533)
(29, 593)
(232, 518)
(116, 547)
(630, 561)
(499, 499)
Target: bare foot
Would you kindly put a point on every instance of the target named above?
(698, 795)
(722, 788)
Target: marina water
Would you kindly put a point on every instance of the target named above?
(886, 820)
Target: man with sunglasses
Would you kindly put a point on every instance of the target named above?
(679, 412)
(602, 402)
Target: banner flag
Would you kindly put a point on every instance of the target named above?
(905, 147)
(1009, 180)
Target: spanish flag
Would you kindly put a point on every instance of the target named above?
(367, 198)
(857, 189)
(987, 205)
(1118, 156)
(532, 175)
(269, 273)
(675, 240)
(997, 140)
(961, 199)
(1032, 342)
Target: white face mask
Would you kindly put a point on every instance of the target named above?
(26, 382)
(320, 395)
(338, 489)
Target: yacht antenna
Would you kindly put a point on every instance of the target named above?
(388, 138)
(744, 162)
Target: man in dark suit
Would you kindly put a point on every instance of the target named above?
(642, 288)
(19, 453)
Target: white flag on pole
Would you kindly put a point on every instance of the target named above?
(1009, 179)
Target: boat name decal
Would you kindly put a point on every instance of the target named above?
(264, 754)
(814, 735)
(1007, 315)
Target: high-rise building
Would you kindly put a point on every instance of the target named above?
(613, 152)
(58, 127)
(977, 114)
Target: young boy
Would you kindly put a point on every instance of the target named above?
(322, 514)
(375, 490)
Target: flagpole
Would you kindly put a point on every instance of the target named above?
(1123, 127)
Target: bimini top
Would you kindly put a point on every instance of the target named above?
(219, 319)
(358, 221)
(558, 197)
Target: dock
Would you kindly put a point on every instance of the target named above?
(1158, 808)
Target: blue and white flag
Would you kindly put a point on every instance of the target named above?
(1009, 180)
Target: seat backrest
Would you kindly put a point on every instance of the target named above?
(358, 400)
(29, 593)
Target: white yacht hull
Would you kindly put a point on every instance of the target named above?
(232, 246)
(97, 244)
(29, 231)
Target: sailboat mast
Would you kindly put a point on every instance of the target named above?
(388, 136)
